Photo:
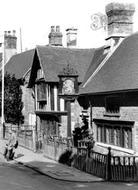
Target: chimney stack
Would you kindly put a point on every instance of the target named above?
(10, 42)
(55, 36)
(120, 21)
(71, 37)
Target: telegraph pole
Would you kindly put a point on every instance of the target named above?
(2, 104)
(21, 40)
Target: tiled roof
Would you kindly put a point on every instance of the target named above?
(120, 72)
(97, 59)
(54, 59)
(19, 64)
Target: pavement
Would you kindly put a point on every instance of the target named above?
(49, 167)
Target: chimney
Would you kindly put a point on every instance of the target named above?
(10, 41)
(120, 21)
(55, 36)
(71, 37)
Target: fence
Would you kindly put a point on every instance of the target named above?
(111, 168)
(124, 168)
(95, 164)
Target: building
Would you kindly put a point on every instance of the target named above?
(50, 108)
(38, 69)
(110, 86)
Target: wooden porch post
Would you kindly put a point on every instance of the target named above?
(68, 118)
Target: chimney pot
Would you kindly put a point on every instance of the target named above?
(5, 33)
(9, 32)
(14, 32)
(57, 28)
(52, 29)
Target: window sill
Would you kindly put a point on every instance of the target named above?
(106, 114)
(42, 100)
(116, 148)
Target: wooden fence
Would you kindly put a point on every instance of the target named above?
(96, 164)
(124, 168)
(111, 168)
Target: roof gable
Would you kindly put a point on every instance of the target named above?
(19, 64)
(54, 59)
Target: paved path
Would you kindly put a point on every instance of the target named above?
(49, 167)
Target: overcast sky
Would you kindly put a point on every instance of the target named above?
(35, 18)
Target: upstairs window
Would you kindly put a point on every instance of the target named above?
(41, 91)
(40, 74)
(112, 106)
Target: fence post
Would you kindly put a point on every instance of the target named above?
(108, 170)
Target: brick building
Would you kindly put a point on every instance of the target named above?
(110, 87)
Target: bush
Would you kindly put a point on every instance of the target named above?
(66, 158)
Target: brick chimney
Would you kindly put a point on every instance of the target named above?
(10, 43)
(120, 21)
(55, 36)
(71, 37)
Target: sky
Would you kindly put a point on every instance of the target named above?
(35, 17)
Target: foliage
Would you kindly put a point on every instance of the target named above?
(66, 157)
(82, 132)
(12, 100)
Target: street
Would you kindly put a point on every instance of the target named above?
(14, 176)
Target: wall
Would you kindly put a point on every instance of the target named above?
(127, 114)
(28, 103)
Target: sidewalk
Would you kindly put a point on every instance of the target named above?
(49, 167)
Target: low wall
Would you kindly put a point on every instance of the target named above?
(54, 150)
(25, 137)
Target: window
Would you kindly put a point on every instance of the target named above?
(112, 106)
(115, 135)
(40, 74)
(41, 91)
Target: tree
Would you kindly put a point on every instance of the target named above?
(85, 128)
(81, 132)
(12, 100)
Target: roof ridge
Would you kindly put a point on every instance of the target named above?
(64, 48)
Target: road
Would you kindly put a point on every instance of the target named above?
(18, 177)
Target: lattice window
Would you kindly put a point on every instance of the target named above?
(115, 135)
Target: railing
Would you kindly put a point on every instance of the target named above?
(124, 168)
(111, 168)
(95, 164)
